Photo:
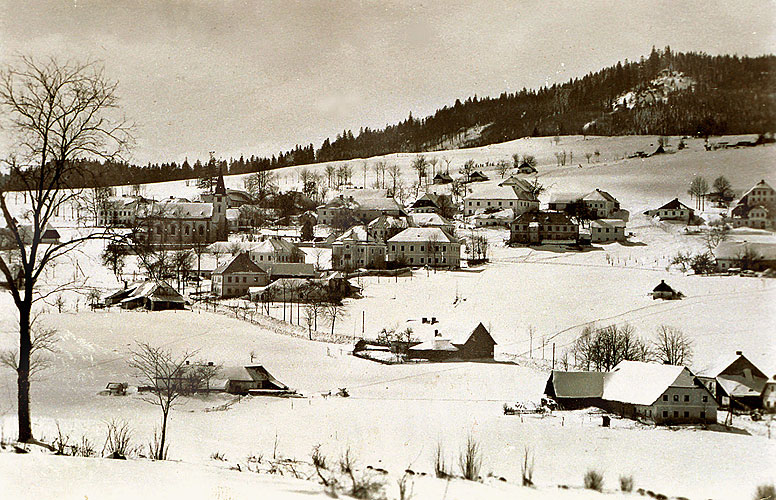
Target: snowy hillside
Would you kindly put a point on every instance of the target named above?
(657, 90)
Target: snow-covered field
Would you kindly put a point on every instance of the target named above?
(397, 414)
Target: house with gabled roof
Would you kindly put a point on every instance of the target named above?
(605, 230)
(753, 255)
(355, 249)
(442, 178)
(273, 249)
(151, 295)
(431, 220)
(673, 210)
(664, 291)
(519, 183)
(495, 198)
(540, 227)
(756, 208)
(600, 203)
(424, 246)
(387, 226)
(363, 209)
(432, 203)
(452, 342)
(253, 379)
(663, 394)
(234, 278)
(736, 382)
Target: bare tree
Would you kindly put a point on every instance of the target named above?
(261, 184)
(113, 257)
(419, 164)
(502, 167)
(698, 190)
(394, 172)
(59, 113)
(333, 311)
(601, 349)
(331, 172)
(715, 235)
(672, 346)
(165, 374)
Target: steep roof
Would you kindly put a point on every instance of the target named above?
(241, 263)
(427, 200)
(184, 210)
(382, 204)
(608, 222)
(675, 204)
(389, 221)
(640, 383)
(288, 269)
(663, 287)
(155, 290)
(463, 335)
(220, 188)
(275, 245)
(423, 234)
(594, 195)
(759, 185)
(437, 344)
(512, 180)
(733, 364)
(355, 233)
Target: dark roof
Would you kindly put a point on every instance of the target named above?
(577, 384)
(241, 263)
(545, 218)
(478, 176)
(442, 176)
(220, 187)
(675, 204)
(288, 269)
(663, 287)
(50, 234)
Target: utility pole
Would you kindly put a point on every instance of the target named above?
(530, 344)
(553, 355)
(363, 323)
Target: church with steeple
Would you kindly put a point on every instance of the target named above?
(183, 223)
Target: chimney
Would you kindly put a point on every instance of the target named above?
(739, 353)
(424, 321)
(433, 320)
(436, 333)
(210, 363)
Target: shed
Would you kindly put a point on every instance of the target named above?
(664, 291)
(242, 379)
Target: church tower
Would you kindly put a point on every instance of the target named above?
(220, 204)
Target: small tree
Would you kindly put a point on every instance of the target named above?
(333, 311)
(420, 165)
(164, 373)
(502, 167)
(698, 190)
(672, 347)
(113, 257)
(703, 263)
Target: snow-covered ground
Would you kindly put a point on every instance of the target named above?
(397, 414)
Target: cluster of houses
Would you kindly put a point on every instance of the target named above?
(666, 394)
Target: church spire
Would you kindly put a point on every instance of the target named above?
(220, 188)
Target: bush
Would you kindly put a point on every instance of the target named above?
(364, 486)
(528, 467)
(406, 486)
(594, 480)
(626, 483)
(60, 443)
(470, 459)
(765, 492)
(441, 468)
(156, 449)
(217, 455)
(84, 449)
(117, 442)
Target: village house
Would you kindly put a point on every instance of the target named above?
(151, 295)
(356, 249)
(442, 178)
(756, 208)
(280, 270)
(739, 255)
(363, 209)
(274, 249)
(387, 226)
(332, 288)
(533, 228)
(254, 379)
(172, 222)
(121, 210)
(235, 198)
(663, 394)
(736, 382)
(517, 183)
(432, 203)
(673, 210)
(50, 236)
(234, 278)
(664, 291)
(441, 344)
(499, 198)
(600, 203)
(491, 219)
(604, 230)
(424, 246)
(477, 176)
(431, 220)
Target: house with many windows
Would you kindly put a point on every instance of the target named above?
(663, 394)
(600, 203)
(363, 208)
(234, 278)
(424, 246)
(673, 210)
(533, 228)
(496, 198)
(605, 230)
(756, 208)
(355, 249)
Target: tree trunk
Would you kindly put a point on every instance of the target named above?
(160, 451)
(23, 372)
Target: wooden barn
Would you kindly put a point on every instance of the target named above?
(151, 295)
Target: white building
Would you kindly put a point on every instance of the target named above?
(496, 198)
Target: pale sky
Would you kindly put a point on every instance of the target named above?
(257, 77)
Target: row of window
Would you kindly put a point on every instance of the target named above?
(549, 229)
(422, 260)
(244, 279)
(186, 230)
(422, 248)
(686, 398)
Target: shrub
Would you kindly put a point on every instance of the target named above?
(406, 486)
(117, 442)
(60, 443)
(765, 492)
(217, 455)
(626, 483)
(84, 449)
(156, 448)
(470, 459)
(441, 468)
(527, 467)
(364, 486)
(594, 480)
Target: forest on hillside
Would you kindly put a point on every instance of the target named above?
(731, 95)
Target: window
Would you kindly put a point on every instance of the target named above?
(686, 398)
(665, 397)
(676, 413)
(412, 248)
(705, 399)
(245, 279)
(687, 414)
(422, 248)
(676, 398)
(665, 414)
(421, 260)
(703, 414)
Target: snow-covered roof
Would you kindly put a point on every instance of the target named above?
(184, 210)
(595, 195)
(437, 344)
(760, 185)
(493, 192)
(241, 263)
(609, 222)
(422, 235)
(429, 219)
(739, 386)
(355, 233)
(641, 383)
(736, 249)
(675, 204)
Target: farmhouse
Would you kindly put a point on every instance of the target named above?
(736, 382)
(386, 226)
(442, 178)
(543, 228)
(477, 176)
(521, 184)
(234, 278)
(432, 203)
(356, 249)
(50, 236)
(466, 344)
(151, 295)
(499, 218)
(673, 210)
(664, 291)
(499, 198)
(242, 379)
(600, 203)
(275, 249)
(756, 256)
(278, 270)
(431, 220)
(603, 230)
(362, 209)
(756, 208)
(663, 394)
(424, 246)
